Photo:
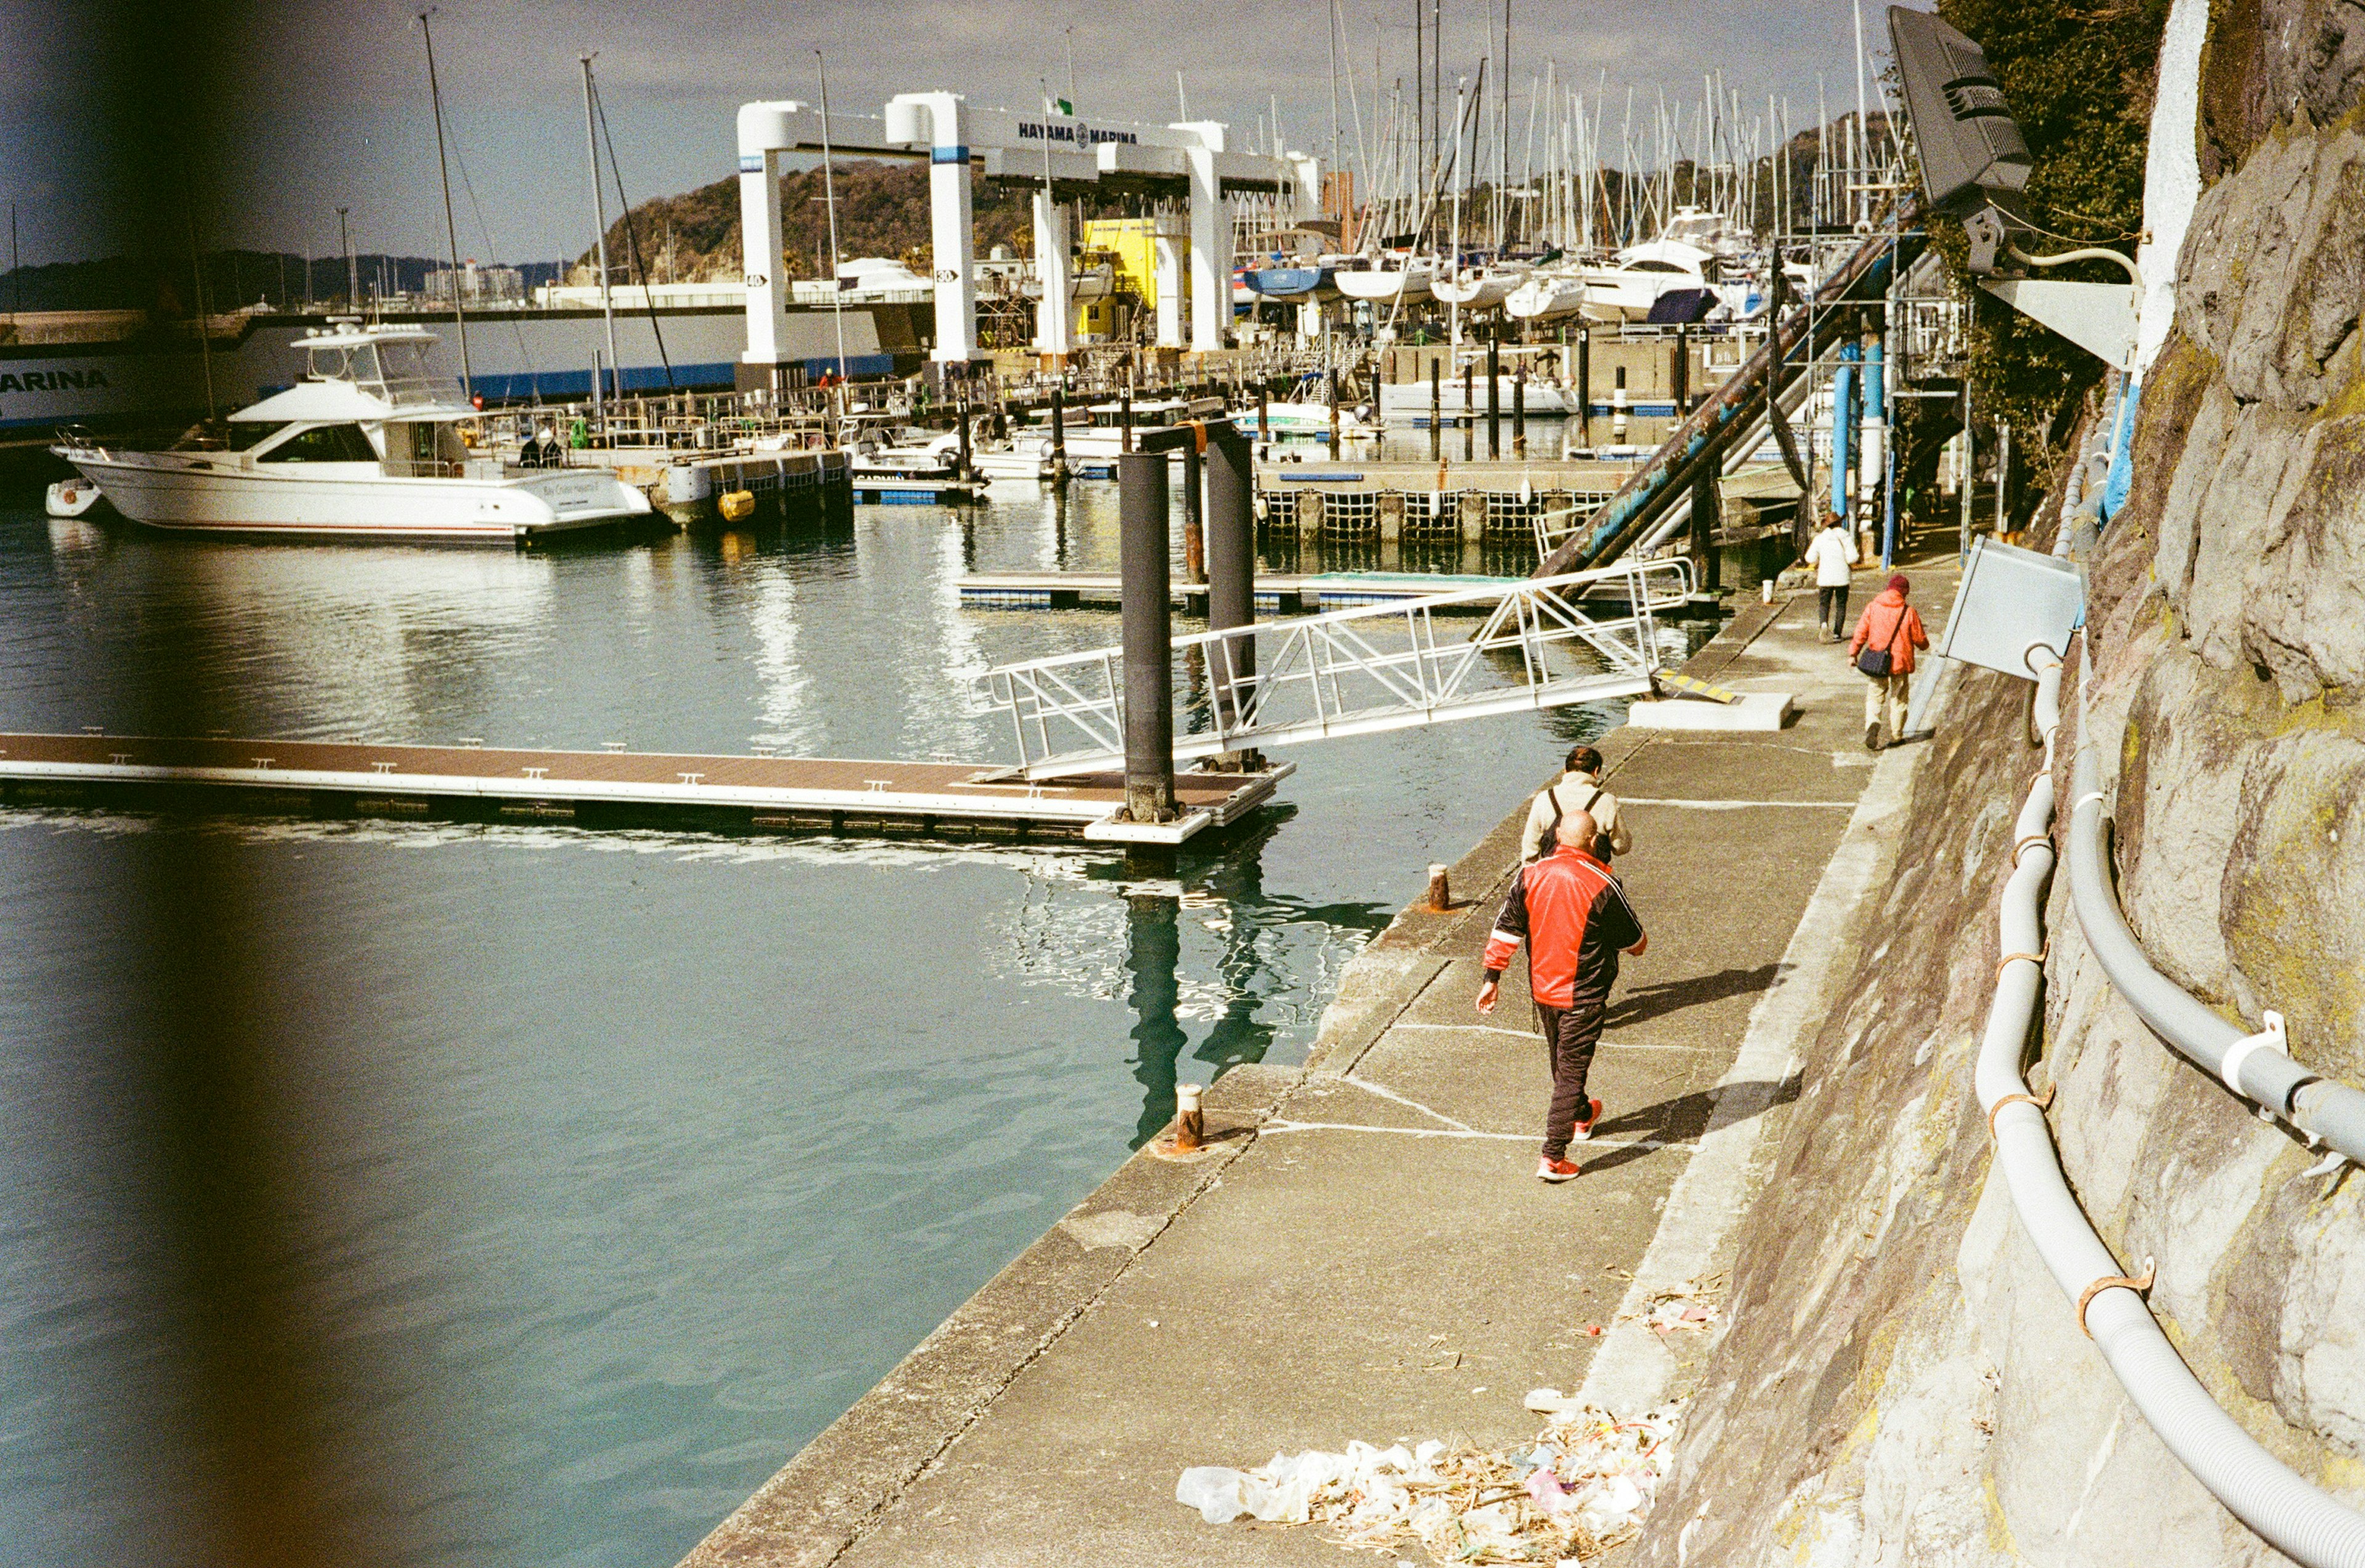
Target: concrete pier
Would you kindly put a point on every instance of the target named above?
(1362, 1249)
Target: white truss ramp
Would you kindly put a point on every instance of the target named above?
(1548, 641)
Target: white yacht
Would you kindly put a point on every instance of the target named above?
(1545, 297)
(368, 445)
(1389, 280)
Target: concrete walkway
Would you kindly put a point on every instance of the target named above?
(1368, 1255)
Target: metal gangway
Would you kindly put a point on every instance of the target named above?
(1548, 641)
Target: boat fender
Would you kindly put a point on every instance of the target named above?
(737, 506)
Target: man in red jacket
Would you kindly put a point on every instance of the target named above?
(1887, 636)
(1572, 912)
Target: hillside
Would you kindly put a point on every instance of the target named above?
(882, 210)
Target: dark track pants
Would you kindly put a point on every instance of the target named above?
(1831, 609)
(1570, 1033)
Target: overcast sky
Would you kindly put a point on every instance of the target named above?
(327, 105)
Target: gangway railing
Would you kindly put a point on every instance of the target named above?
(1548, 641)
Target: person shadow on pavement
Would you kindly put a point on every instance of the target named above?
(1680, 1120)
(1644, 1002)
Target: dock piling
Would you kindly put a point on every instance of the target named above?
(1519, 413)
(1148, 625)
(1437, 413)
(1585, 386)
(1060, 474)
(1231, 565)
(1195, 538)
(1494, 397)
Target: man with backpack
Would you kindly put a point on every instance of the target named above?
(1572, 913)
(1883, 652)
(1578, 790)
(1834, 557)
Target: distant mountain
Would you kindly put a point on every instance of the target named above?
(233, 279)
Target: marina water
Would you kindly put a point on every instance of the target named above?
(623, 1161)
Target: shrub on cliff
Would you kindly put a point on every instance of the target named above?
(2079, 82)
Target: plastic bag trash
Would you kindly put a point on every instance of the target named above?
(1214, 1490)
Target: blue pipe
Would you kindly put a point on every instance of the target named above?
(1844, 417)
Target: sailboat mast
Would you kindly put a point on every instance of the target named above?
(599, 213)
(829, 201)
(450, 231)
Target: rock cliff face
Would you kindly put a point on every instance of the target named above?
(1903, 1381)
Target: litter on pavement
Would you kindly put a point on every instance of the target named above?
(1579, 1489)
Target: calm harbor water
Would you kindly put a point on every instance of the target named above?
(619, 1164)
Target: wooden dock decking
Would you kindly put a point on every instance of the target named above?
(611, 787)
(1278, 593)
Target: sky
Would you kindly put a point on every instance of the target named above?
(322, 105)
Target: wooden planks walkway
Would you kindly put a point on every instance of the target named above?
(609, 788)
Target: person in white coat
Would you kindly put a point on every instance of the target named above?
(1834, 557)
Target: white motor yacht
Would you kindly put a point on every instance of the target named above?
(368, 445)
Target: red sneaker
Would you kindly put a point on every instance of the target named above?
(1558, 1171)
(1585, 1127)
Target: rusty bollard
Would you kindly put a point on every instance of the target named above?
(1190, 1124)
(1441, 896)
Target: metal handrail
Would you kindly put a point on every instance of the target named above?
(1356, 671)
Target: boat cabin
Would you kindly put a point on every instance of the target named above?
(370, 394)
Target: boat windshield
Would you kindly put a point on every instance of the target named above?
(411, 379)
(397, 372)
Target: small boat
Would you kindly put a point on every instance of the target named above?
(1406, 402)
(1297, 283)
(367, 446)
(1545, 297)
(72, 498)
(922, 471)
(1475, 289)
(1303, 421)
(1397, 280)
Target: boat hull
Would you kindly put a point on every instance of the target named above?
(1384, 288)
(372, 506)
(1406, 402)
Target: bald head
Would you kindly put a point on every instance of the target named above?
(1579, 829)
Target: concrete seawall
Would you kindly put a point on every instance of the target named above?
(1362, 1251)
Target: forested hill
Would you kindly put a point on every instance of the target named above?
(882, 210)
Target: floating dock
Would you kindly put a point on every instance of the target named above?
(1281, 593)
(611, 787)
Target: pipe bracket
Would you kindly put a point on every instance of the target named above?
(2041, 1101)
(2135, 1283)
(2270, 1039)
(2035, 958)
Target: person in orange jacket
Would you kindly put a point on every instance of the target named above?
(1572, 913)
(1882, 651)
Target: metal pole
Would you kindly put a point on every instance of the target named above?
(1584, 385)
(599, 211)
(1494, 397)
(1195, 535)
(353, 264)
(1705, 509)
(2004, 477)
(1519, 413)
(1148, 618)
(1963, 541)
(450, 231)
(1059, 436)
(1436, 411)
(1231, 567)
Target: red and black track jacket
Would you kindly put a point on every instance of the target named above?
(1572, 912)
